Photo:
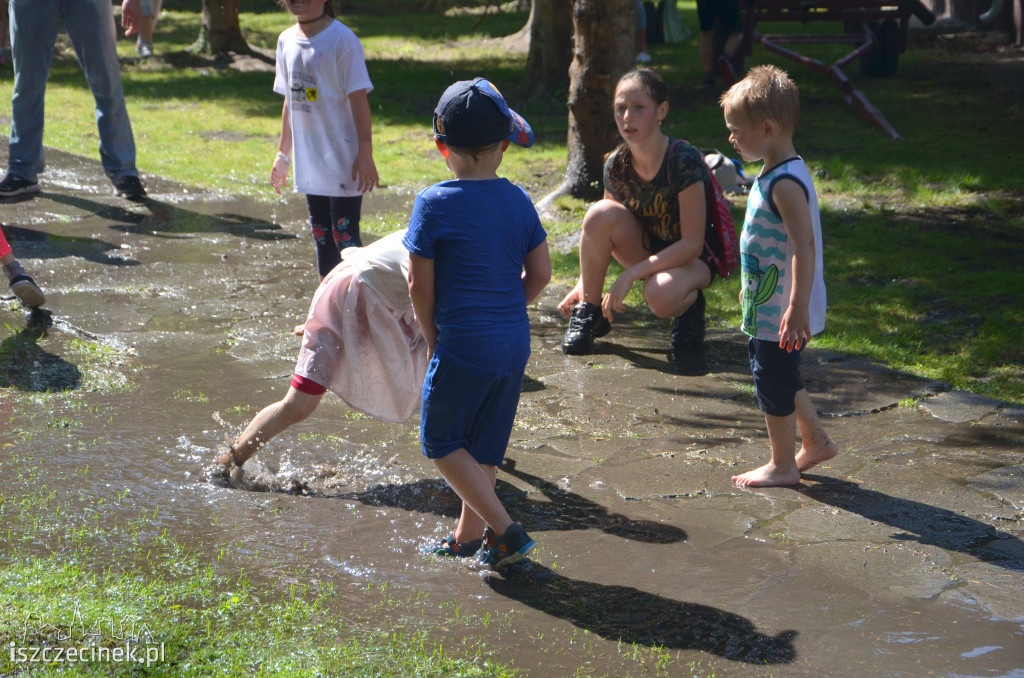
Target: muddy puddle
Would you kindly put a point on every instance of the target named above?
(169, 328)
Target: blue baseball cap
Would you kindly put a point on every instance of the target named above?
(472, 113)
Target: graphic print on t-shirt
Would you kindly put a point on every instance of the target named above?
(303, 89)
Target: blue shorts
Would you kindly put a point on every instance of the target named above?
(776, 376)
(463, 410)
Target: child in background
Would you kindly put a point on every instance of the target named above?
(783, 290)
(478, 256)
(22, 284)
(361, 340)
(326, 120)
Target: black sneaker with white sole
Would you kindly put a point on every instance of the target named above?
(13, 186)
(586, 324)
(130, 188)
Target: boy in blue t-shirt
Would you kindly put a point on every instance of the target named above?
(478, 256)
(783, 291)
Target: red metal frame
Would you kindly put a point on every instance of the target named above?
(855, 12)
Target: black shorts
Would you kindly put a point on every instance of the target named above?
(727, 12)
(654, 244)
(776, 376)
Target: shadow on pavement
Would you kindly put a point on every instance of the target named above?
(165, 219)
(89, 249)
(629, 615)
(27, 367)
(918, 522)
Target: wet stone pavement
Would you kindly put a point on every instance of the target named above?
(170, 324)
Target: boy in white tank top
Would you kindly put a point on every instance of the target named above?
(783, 293)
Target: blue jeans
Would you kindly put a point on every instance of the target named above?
(90, 26)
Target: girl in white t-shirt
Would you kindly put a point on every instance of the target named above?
(325, 125)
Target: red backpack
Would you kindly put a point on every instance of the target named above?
(725, 230)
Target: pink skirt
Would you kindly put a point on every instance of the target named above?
(372, 356)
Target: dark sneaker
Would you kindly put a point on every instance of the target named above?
(450, 547)
(506, 549)
(688, 328)
(585, 324)
(13, 185)
(28, 293)
(130, 188)
(726, 71)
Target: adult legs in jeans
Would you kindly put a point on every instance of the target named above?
(90, 25)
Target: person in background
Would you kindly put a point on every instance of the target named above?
(720, 24)
(642, 55)
(150, 12)
(90, 26)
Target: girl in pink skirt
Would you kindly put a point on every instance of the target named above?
(361, 341)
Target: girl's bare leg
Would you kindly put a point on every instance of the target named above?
(270, 421)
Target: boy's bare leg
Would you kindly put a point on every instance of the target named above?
(270, 421)
(816, 445)
(475, 486)
(471, 525)
(781, 470)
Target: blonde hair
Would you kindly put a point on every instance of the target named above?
(765, 93)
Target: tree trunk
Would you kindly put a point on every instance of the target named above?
(220, 32)
(604, 34)
(550, 36)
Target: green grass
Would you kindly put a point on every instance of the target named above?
(923, 237)
(87, 578)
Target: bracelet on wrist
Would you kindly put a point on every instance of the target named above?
(282, 156)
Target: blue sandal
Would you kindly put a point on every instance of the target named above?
(451, 547)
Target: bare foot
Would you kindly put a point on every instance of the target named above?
(767, 476)
(807, 459)
(299, 330)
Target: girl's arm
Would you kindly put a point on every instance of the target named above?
(364, 171)
(421, 293)
(536, 271)
(791, 201)
(279, 172)
(692, 217)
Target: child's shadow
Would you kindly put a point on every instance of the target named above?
(564, 510)
(630, 615)
(918, 522)
(27, 367)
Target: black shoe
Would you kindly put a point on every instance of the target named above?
(13, 185)
(586, 324)
(28, 293)
(130, 188)
(688, 328)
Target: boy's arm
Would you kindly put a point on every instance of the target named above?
(421, 293)
(536, 271)
(364, 171)
(791, 201)
(279, 172)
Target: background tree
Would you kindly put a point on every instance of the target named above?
(603, 38)
(547, 39)
(220, 32)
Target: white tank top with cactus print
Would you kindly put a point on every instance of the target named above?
(767, 255)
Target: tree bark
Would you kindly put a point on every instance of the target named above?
(220, 32)
(604, 34)
(550, 52)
